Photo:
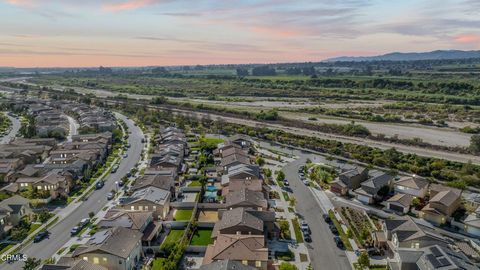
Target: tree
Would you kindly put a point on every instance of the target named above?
(475, 144)
(31, 263)
(242, 72)
(260, 161)
(292, 201)
(416, 202)
(364, 260)
(287, 266)
(280, 176)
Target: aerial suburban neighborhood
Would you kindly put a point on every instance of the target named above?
(239, 135)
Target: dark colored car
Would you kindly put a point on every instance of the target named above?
(333, 229)
(99, 185)
(40, 236)
(338, 242)
(327, 218)
(75, 230)
(307, 238)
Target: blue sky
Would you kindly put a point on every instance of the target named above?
(178, 32)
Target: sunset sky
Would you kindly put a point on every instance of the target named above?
(67, 33)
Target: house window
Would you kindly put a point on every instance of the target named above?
(154, 207)
(104, 259)
(140, 208)
(258, 264)
(146, 207)
(96, 260)
(132, 207)
(85, 259)
(245, 262)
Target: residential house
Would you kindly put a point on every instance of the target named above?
(349, 179)
(163, 180)
(405, 233)
(472, 223)
(429, 258)
(142, 221)
(238, 221)
(400, 203)
(412, 185)
(247, 249)
(115, 248)
(246, 198)
(73, 265)
(8, 167)
(443, 202)
(232, 160)
(226, 265)
(241, 140)
(58, 183)
(12, 210)
(369, 190)
(149, 199)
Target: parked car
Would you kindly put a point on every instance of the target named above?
(75, 230)
(333, 229)
(110, 196)
(307, 238)
(327, 218)
(121, 183)
(99, 185)
(125, 155)
(40, 236)
(338, 242)
(84, 222)
(304, 226)
(114, 169)
(286, 183)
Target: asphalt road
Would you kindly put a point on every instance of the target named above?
(60, 233)
(323, 252)
(13, 130)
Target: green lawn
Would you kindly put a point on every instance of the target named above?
(202, 238)
(4, 247)
(173, 237)
(183, 214)
(211, 140)
(195, 183)
(33, 227)
(285, 196)
(298, 231)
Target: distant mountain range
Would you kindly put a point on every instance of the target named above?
(397, 56)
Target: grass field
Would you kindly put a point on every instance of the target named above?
(202, 238)
(195, 183)
(183, 214)
(173, 237)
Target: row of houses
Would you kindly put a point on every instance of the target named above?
(439, 201)
(135, 223)
(51, 172)
(245, 222)
(90, 118)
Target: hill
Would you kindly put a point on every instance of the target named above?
(398, 56)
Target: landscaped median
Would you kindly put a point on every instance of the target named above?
(298, 231)
(341, 233)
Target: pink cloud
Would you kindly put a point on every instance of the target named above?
(23, 3)
(128, 5)
(279, 32)
(467, 38)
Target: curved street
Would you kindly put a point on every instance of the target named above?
(13, 130)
